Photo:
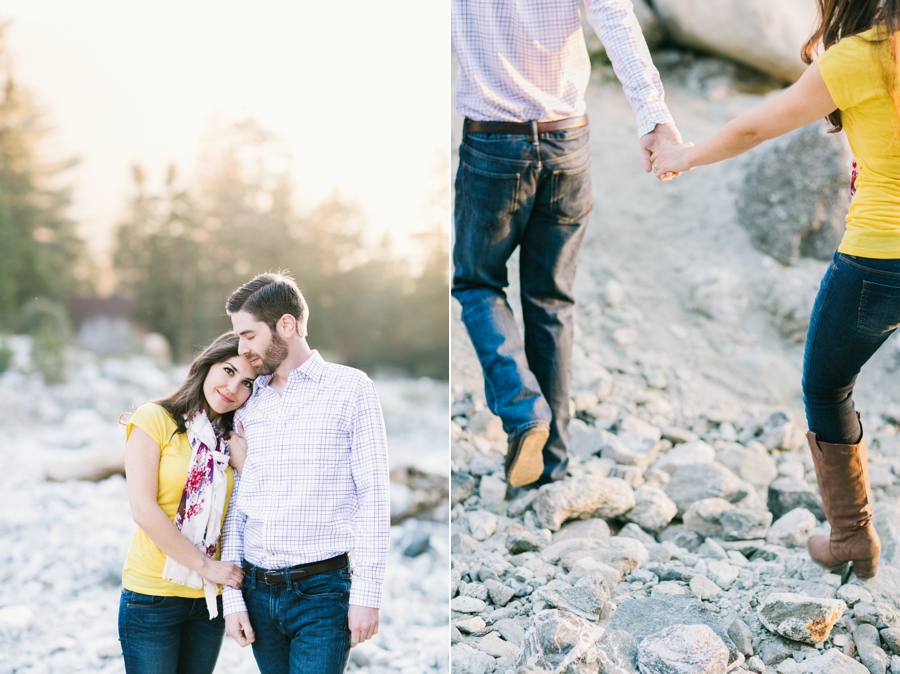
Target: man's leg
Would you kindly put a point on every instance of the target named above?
(548, 260)
(494, 194)
(314, 615)
(271, 646)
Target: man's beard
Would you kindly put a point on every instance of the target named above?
(274, 356)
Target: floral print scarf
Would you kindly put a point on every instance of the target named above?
(199, 516)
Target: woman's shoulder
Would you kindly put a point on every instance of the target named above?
(154, 417)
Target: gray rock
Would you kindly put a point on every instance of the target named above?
(495, 646)
(704, 588)
(799, 618)
(853, 594)
(618, 653)
(705, 480)
(741, 524)
(477, 590)
(756, 664)
(589, 496)
(891, 638)
(887, 523)
(703, 516)
(686, 454)
(470, 625)
(833, 661)
(789, 216)
(632, 530)
(758, 33)
(773, 650)
(755, 466)
(462, 486)
(884, 586)
(741, 636)
(681, 536)
(624, 554)
(523, 540)
(787, 493)
(868, 645)
(590, 528)
(792, 529)
(652, 510)
(584, 600)
(780, 431)
(637, 451)
(482, 524)
(499, 593)
(683, 649)
(878, 614)
(492, 493)
(510, 630)
(467, 660)
(557, 639)
(467, 605)
(588, 565)
(642, 617)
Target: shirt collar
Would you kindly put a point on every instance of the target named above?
(313, 368)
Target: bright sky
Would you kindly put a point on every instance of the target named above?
(358, 91)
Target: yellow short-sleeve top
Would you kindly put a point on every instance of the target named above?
(852, 70)
(144, 562)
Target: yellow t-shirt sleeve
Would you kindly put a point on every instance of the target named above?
(154, 421)
(847, 68)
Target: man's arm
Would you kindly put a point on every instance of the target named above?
(619, 31)
(372, 527)
(237, 620)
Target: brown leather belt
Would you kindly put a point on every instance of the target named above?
(525, 127)
(299, 572)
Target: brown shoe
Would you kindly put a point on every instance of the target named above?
(842, 472)
(524, 456)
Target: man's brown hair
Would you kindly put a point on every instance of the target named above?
(270, 296)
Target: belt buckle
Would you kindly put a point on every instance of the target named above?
(272, 577)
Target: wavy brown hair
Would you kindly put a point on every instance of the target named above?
(843, 18)
(188, 398)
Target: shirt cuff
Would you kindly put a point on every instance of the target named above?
(365, 594)
(651, 114)
(232, 601)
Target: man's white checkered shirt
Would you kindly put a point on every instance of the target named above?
(523, 61)
(315, 482)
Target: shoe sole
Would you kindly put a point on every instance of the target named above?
(528, 465)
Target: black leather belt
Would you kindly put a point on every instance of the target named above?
(472, 126)
(299, 572)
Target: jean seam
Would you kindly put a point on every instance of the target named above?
(870, 270)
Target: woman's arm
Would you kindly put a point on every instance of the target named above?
(142, 473)
(801, 104)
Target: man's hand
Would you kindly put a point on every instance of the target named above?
(237, 626)
(661, 137)
(363, 623)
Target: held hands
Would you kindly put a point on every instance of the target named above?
(222, 573)
(363, 623)
(671, 161)
(237, 449)
(663, 136)
(237, 626)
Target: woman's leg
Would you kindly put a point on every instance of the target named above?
(150, 632)
(201, 639)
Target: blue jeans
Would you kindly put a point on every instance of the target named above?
(534, 193)
(168, 635)
(301, 627)
(856, 310)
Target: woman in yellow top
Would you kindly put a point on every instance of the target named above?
(179, 485)
(854, 84)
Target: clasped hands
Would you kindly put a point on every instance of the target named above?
(664, 153)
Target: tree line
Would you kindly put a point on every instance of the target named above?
(183, 246)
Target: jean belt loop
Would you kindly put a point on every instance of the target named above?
(534, 132)
(465, 126)
(287, 577)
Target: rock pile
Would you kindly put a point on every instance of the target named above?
(676, 545)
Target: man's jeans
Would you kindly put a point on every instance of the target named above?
(300, 627)
(168, 635)
(534, 193)
(856, 310)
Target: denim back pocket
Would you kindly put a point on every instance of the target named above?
(571, 196)
(879, 308)
(490, 198)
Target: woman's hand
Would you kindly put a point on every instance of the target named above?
(672, 160)
(237, 449)
(222, 573)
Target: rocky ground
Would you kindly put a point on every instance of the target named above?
(677, 544)
(62, 544)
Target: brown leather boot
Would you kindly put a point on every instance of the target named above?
(524, 456)
(842, 472)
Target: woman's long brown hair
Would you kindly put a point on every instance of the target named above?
(188, 398)
(842, 18)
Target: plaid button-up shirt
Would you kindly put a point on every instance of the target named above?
(315, 483)
(527, 61)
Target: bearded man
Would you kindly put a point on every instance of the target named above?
(310, 519)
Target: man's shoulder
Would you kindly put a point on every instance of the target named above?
(345, 373)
